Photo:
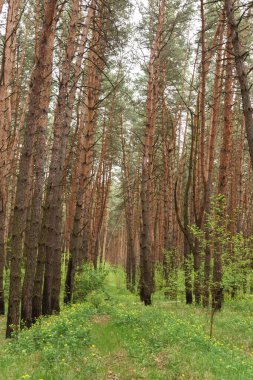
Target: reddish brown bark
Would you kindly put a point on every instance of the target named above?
(146, 254)
(50, 238)
(38, 107)
(168, 156)
(129, 215)
(6, 111)
(32, 233)
(1, 5)
(86, 148)
(215, 116)
(224, 170)
(241, 73)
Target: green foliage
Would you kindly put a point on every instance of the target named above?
(236, 248)
(119, 277)
(56, 336)
(124, 339)
(179, 339)
(159, 276)
(237, 264)
(89, 280)
(97, 299)
(166, 275)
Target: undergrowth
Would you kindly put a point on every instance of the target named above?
(116, 337)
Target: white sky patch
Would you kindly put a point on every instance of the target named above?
(3, 17)
(136, 53)
(140, 4)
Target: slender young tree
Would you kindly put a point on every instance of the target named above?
(129, 215)
(215, 117)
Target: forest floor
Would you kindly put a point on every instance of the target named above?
(113, 336)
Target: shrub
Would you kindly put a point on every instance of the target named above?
(89, 280)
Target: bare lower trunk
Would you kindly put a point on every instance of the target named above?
(40, 80)
(147, 181)
(51, 232)
(2, 255)
(7, 90)
(85, 149)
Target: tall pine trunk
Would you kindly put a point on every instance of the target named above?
(38, 109)
(223, 175)
(147, 239)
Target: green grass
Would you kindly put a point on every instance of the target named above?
(113, 336)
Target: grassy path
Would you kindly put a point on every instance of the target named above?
(118, 338)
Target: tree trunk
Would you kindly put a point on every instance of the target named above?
(241, 73)
(224, 170)
(6, 100)
(33, 228)
(147, 239)
(129, 215)
(38, 107)
(215, 116)
(85, 151)
(51, 229)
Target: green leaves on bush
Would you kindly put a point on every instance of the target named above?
(89, 280)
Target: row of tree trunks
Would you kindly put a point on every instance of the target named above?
(45, 299)
(34, 227)
(6, 114)
(36, 120)
(95, 65)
